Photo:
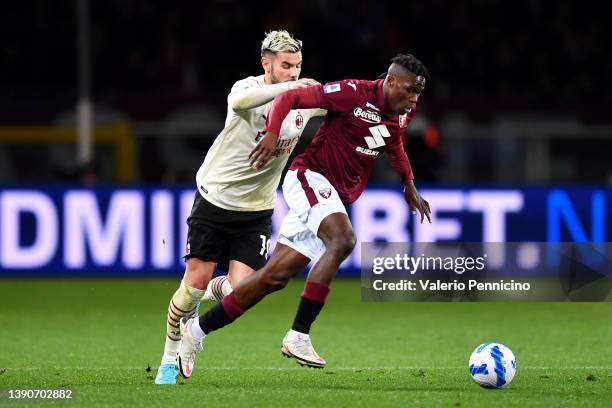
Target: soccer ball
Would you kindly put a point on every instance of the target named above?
(492, 365)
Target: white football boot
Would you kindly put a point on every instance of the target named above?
(297, 345)
(188, 348)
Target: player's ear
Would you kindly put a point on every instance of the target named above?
(266, 62)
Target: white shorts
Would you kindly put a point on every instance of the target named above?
(311, 198)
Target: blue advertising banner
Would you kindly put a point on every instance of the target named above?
(141, 230)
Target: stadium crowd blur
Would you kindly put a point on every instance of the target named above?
(154, 59)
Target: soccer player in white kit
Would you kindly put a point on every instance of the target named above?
(230, 222)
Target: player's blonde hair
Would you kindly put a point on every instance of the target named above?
(280, 41)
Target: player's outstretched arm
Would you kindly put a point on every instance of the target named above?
(297, 98)
(401, 164)
(250, 97)
(305, 98)
(416, 202)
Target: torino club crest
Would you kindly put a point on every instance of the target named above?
(325, 192)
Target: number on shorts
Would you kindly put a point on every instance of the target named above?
(265, 245)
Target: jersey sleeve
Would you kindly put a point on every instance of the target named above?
(240, 87)
(248, 94)
(396, 153)
(301, 98)
(339, 96)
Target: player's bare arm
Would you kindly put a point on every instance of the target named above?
(303, 97)
(416, 201)
(263, 151)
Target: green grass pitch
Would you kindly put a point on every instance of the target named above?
(99, 336)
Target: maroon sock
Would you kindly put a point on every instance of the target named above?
(221, 314)
(311, 303)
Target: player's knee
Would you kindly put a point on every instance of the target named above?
(342, 244)
(272, 280)
(279, 283)
(198, 273)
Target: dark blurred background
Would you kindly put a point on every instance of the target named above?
(519, 92)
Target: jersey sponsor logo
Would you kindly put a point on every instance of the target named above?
(378, 136)
(352, 85)
(325, 192)
(331, 88)
(367, 115)
(299, 121)
(285, 146)
(367, 152)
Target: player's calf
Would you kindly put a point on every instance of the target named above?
(183, 303)
(341, 245)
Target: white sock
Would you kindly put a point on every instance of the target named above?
(226, 288)
(168, 359)
(196, 330)
(218, 288)
(296, 334)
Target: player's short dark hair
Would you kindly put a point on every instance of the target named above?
(412, 64)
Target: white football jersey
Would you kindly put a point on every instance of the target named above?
(225, 178)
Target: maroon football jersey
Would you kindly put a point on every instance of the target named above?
(358, 128)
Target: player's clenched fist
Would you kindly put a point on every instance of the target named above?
(263, 151)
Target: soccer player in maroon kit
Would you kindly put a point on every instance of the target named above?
(364, 119)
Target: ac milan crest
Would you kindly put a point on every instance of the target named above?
(325, 193)
(299, 121)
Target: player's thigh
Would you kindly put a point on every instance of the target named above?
(248, 251)
(238, 271)
(250, 240)
(295, 234)
(285, 262)
(207, 241)
(335, 227)
(205, 248)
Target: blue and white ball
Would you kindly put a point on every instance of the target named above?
(492, 365)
